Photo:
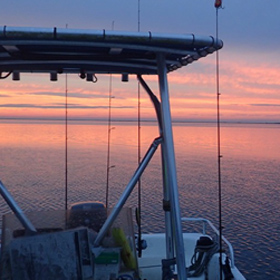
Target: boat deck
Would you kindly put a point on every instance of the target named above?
(150, 264)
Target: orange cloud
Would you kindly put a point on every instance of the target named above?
(249, 91)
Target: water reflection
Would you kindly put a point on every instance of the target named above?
(33, 169)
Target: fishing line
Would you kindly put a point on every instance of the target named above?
(218, 4)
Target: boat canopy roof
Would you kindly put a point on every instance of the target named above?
(65, 50)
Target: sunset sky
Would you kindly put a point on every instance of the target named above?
(249, 61)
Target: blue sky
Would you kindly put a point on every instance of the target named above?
(251, 23)
(250, 59)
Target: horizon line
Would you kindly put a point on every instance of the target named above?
(146, 120)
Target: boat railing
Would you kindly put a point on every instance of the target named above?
(206, 222)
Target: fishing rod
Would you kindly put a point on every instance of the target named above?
(218, 5)
(109, 137)
(139, 157)
(66, 139)
(109, 142)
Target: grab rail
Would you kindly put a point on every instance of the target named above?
(204, 224)
(17, 210)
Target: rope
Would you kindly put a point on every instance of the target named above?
(5, 76)
(204, 250)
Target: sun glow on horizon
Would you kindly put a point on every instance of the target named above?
(248, 92)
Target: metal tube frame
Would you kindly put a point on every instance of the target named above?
(169, 158)
(17, 210)
(166, 197)
(154, 99)
(129, 188)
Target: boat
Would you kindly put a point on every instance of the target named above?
(89, 241)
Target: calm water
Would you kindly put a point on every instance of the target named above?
(33, 169)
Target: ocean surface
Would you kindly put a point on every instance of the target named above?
(33, 169)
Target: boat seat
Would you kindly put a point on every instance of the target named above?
(90, 215)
